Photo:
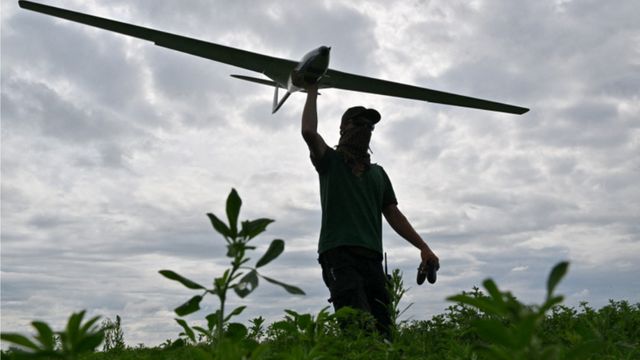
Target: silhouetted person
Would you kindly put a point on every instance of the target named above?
(355, 194)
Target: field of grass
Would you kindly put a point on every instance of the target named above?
(611, 332)
(480, 324)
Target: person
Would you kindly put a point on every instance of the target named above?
(355, 194)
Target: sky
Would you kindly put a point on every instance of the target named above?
(113, 151)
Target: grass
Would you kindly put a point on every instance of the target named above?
(611, 332)
(492, 324)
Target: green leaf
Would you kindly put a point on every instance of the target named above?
(233, 248)
(557, 273)
(289, 288)
(244, 261)
(220, 226)
(189, 307)
(233, 210)
(73, 327)
(236, 311)
(45, 334)
(177, 344)
(495, 352)
(184, 281)
(284, 326)
(275, 249)
(551, 302)
(236, 331)
(247, 284)
(304, 321)
(293, 314)
(496, 295)
(19, 340)
(493, 331)
(253, 228)
(201, 330)
(225, 276)
(86, 328)
(219, 286)
(89, 343)
(484, 304)
(523, 332)
(187, 329)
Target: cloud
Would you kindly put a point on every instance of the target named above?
(114, 150)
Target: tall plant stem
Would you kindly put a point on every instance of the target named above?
(223, 295)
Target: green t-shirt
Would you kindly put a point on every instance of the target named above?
(351, 205)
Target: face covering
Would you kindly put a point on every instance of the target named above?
(354, 145)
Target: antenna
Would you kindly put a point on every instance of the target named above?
(386, 271)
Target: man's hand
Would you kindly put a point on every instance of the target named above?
(428, 267)
(311, 89)
(429, 257)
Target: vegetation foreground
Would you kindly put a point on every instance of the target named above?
(488, 324)
(463, 332)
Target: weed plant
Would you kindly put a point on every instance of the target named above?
(611, 332)
(489, 324)
(240, 278)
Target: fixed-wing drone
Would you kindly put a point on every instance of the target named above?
(282, 73)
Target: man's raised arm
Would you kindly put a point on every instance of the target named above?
(309, 126)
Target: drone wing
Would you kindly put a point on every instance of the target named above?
(275, 68)
(346, 81)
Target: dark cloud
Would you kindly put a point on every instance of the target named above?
(36, 106)
(83, 57)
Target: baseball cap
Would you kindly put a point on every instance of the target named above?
(360, 111)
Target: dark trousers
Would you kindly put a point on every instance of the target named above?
(355, 278)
